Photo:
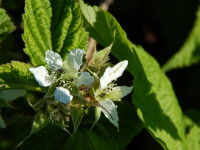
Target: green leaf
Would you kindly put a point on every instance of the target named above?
(77, 115)
(54, 25)
(67, 30)
(6, 26)
(189, 53)
(154, 98)
(2, 123)
(156, 103)
(192, 123)
(37, 34)
(11, 95)
(16, 75)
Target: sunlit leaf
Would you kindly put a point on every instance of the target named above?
(55, 25)
(16, 75)
(190, 51)
(192, 123)
(66, 28)
(37, 34)
(154, 98)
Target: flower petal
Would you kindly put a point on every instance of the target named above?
(41, 76)
(123, 90)
(110, 111)
(75, 57)
(53, 60)
(85, 79)
(111, 74)
(62, 95)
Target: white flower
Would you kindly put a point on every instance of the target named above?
(75, 57)
(41, 76)
(53, 60)
(55, 63)
(113, 93)
(62, 95)
(111, 74)
(110, 111)
(85, 79)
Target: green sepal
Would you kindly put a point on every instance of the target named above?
(62, 107)
(76, 115)
(51, 90)
(97, 116)
(99, 62)
(101, 57)
(40, 121)
(2, 123)
(38, 105)
(62, 124)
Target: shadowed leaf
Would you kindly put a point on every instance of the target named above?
(6, 26)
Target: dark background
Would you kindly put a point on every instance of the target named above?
(160, 26)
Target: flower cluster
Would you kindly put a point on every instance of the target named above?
(64, 74)
(68, 85)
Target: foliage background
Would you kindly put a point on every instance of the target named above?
(161, 27)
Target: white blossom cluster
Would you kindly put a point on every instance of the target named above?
(70, 82)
